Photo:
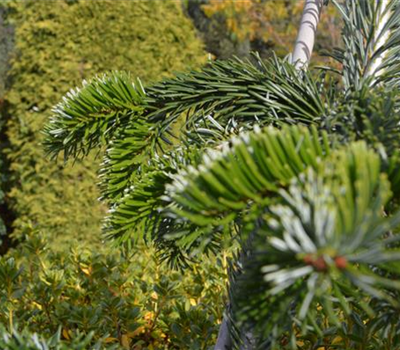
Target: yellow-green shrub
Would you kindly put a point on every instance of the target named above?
(57, 44)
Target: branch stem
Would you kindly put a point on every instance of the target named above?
(307, 32)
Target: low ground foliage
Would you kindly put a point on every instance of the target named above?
(116, 300)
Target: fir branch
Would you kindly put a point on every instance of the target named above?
(372, 43)
(89, 116)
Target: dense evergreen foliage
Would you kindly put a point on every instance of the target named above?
(285, 178)
(312, 208)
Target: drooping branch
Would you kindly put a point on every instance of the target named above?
(307, 32)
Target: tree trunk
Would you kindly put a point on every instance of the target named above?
(224, 339)
(307, 32)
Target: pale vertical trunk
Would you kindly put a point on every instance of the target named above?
(301, 57)
(308, 29)
(224, 341)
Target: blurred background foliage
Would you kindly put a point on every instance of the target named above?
(59, 280)
(240, 27)
(57, 45)
(6, 44)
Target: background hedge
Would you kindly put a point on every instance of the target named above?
(58, 44)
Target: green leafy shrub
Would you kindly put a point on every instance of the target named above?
(124, 300)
